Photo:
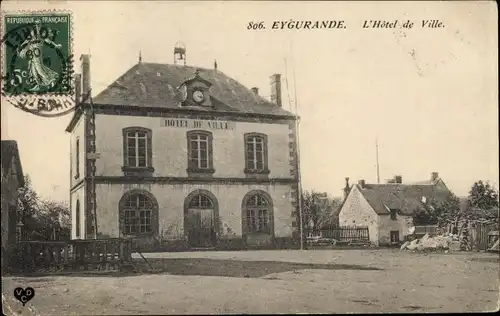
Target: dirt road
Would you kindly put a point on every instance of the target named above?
(323, 281)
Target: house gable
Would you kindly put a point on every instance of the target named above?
(356, 211)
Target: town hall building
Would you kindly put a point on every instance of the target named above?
(180, 157)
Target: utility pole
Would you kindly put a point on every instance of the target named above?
(299, 178)
(376, 149)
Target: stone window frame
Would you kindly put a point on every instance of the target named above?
(154, 213)
(265, 151)
(196, 170)
(245, 208)
(148, 154)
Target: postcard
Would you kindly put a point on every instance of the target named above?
(249, 157)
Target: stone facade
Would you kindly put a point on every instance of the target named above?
(356, 211)
(169, 182)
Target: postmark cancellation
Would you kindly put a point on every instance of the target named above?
(37, 61)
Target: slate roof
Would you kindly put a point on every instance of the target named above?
(9, 151)
(403, 197)
(156, 85)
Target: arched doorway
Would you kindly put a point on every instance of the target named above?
(257, 214)
(201, 216)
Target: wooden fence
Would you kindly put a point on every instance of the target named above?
(343, 234)
(480, 237)
(420, 231)
(101, 254)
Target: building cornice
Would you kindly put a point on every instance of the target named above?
(128, 110)
(189, 180)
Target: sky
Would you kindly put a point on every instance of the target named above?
(428, 95)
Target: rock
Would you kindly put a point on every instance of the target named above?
(411, 247)
(403, 247)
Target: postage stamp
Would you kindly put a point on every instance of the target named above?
(37, 60)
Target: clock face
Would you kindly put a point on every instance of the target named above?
(198, 96)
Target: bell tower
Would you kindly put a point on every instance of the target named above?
(179, 52)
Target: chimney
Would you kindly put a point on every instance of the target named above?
(346, 188)
(78, 88)
(255, 90)
(276, 89)
(434, 176)
(398, 179)
(85, 60)
(361, 183)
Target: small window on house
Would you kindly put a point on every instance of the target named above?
(424, 199)
(200, 157)
(77, 158)
(394, 213)
(77, 219)
(256, 153)
(394, 236)
(137, 148)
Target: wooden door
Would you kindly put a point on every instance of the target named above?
(201, 227)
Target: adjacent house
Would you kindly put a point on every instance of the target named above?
(184, 156)
(12, 180)
(387, 209)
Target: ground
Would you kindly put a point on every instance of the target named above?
(293, 281)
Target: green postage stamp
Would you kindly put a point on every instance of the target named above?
(37, 69)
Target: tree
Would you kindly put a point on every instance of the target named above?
(483, 196)
(439, 213)
(314, 206)
(56, 220)
(483, 203)
(27, 198)
(330, 218)
(42, 219)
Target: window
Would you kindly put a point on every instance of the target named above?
(77, 219)
(258, 215)
(137, 151)
(201, 201)
(137, 215)
(256, 153)
(393, 214)
(200, 151)
(77, 159)
(394, 237)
